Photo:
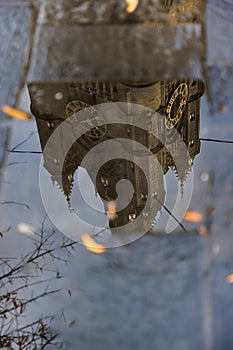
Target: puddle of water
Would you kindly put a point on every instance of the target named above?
(180, 282)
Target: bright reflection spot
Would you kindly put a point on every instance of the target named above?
(229, 278)
(131, 5)
(216, 248)
(26, 229)
(193, 216)
(59, 96)
(91, 245)
(205, 177)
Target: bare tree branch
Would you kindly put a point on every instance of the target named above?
(14, 283)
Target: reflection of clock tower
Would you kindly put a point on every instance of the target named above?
(177, 100)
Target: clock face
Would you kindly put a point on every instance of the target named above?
(176, 105)
(93, 120)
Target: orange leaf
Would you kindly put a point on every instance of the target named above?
(131, 5)
(193, 216)
(91, 245)
(111, 212)
(202, 230)
(229, 278)
(15, 113)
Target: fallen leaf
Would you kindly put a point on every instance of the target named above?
(91, 245)
(131, 5)
(229, 278)
(15, 113)
(193, 216)
(111, 212)
(202, 230)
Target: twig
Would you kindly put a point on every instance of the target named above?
(16, 203)
(26, 152)
(170, 213)
(15, 163)
(214, 140)
(24, 141)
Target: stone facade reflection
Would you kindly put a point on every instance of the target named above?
(177, 101)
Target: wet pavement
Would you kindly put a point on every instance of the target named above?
(163, 290)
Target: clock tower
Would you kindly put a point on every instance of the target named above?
(177, 101)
